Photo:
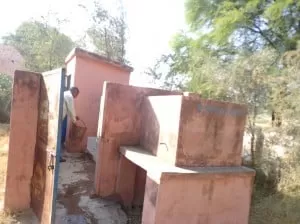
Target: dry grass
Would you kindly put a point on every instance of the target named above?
(4, 133)
(283, 205)
(280, 207)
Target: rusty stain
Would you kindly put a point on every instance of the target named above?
(208, 189)
(38, 184)
(211, 190)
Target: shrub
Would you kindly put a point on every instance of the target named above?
(5, 97)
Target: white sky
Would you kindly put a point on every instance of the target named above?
(151, 24)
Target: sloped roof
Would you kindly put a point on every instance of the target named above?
(88, 54)
(10, 59)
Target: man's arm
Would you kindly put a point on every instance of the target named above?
(70, 108)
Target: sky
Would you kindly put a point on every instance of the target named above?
(152, 23)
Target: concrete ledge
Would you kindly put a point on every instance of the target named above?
(190, 194)
(155, 167)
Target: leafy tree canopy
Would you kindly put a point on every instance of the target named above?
(252, 24)
(42, 46)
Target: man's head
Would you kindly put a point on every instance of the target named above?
(75, 91)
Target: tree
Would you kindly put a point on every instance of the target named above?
(252, 24)
(191, 67)
(108, 33)
(165, 76)
(249, 77)
(42, 46)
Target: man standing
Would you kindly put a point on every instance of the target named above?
(68, 111)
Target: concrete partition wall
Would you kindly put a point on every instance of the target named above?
(22, 140)
(191, 131)
(160, 125)
(211, 133)
(120, 124)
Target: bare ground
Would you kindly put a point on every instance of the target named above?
(74, 205)
(76, 182)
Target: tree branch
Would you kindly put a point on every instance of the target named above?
(259, 31)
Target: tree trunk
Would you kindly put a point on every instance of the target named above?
(252, 147)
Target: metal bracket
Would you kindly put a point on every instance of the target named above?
(52, 154)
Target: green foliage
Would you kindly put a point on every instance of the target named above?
(5, 96)
(108, 33)
(245, 52)
(42, 46)
(252, 24)
(165, 76)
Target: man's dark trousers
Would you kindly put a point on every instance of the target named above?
(63, 135)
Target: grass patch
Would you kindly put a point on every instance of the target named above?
(280, 207)
(4, 137)
(4, 133)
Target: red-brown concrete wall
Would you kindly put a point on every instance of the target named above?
(150, 202)
(211, 135)
(196, 198)
(139, 187)
(160, 125)
(89, 77)
(126, 181)
(122, 112)
(174, 129)
(23, 130)
(121, 125)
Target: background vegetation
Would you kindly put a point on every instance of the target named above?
(248, 52)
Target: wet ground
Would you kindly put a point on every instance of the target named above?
(74, 205)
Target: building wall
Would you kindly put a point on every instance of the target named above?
(89, 76)
(10, 60)
(71, 69)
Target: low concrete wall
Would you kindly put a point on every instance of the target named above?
(210, 199)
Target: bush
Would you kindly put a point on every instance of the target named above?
(276, 197)
(283, 205)
(5, 97)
